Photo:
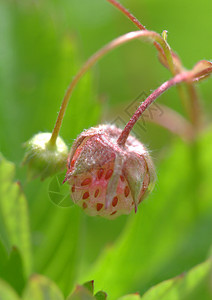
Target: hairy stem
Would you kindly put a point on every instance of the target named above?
(149, 100)
(91, 61)
(164, 51)
(191, 109)
(127, 13)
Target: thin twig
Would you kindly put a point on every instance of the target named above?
(92, 60)
(149, 100)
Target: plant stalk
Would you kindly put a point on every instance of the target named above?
(164, 51)
(192, 109)
(149, 100)
(91, 61)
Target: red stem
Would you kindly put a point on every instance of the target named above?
(137, 23)
(127, 13)
(149, 100)
(91, 61)
(193, 111)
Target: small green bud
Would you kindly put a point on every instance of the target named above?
(43, 158)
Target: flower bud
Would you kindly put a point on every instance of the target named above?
(42, 158)
(106, 179)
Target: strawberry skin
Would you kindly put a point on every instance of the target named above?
(105, 179)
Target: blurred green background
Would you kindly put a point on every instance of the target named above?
(42, 45)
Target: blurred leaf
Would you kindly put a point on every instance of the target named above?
(101, 295)
(41, 288)
(131, 297)
(58, 192)
(57, 240)
(6, 292)
(172, 231)
(3, 257)
(194, 285)
(89, 286)
(39, 59)
(85, 292)
(14, 222)
(81, 293)
(11, 270)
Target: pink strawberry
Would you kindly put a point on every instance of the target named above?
(106, 179)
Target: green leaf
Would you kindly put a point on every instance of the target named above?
(85, 292)
(101, 295)
(14, 220)
(38, 79)
(131, 297)
(3, 257)
(89, 286)
(59, 193)
(57, 250)
(39, 56)
(6, 292)
(194, 285)
(81, 293)
(172, 231)
(39, 64)
(11, 270)
(41, 288)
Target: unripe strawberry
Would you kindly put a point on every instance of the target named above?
(43, 158)
(106, 179)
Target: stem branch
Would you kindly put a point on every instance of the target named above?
(149, 100)
(164, 49)
(127, 13)
(91, 61)
(168, 55)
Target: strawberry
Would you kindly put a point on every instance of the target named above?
(106, 179)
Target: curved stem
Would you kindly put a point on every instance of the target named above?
(165, 50)
(127, 13)
(149, 100)
(91, 61)
(168, 55)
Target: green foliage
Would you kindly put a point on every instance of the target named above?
(101, 295)
(86, 291)
(59, 193)
(191, 286)
(81, 292)
(172, 230)
(11, 269)
(43, 44)
(41, 288)
(166, 238)
(131, 297)
(89, 286)
(6, 292)
(14, 219)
